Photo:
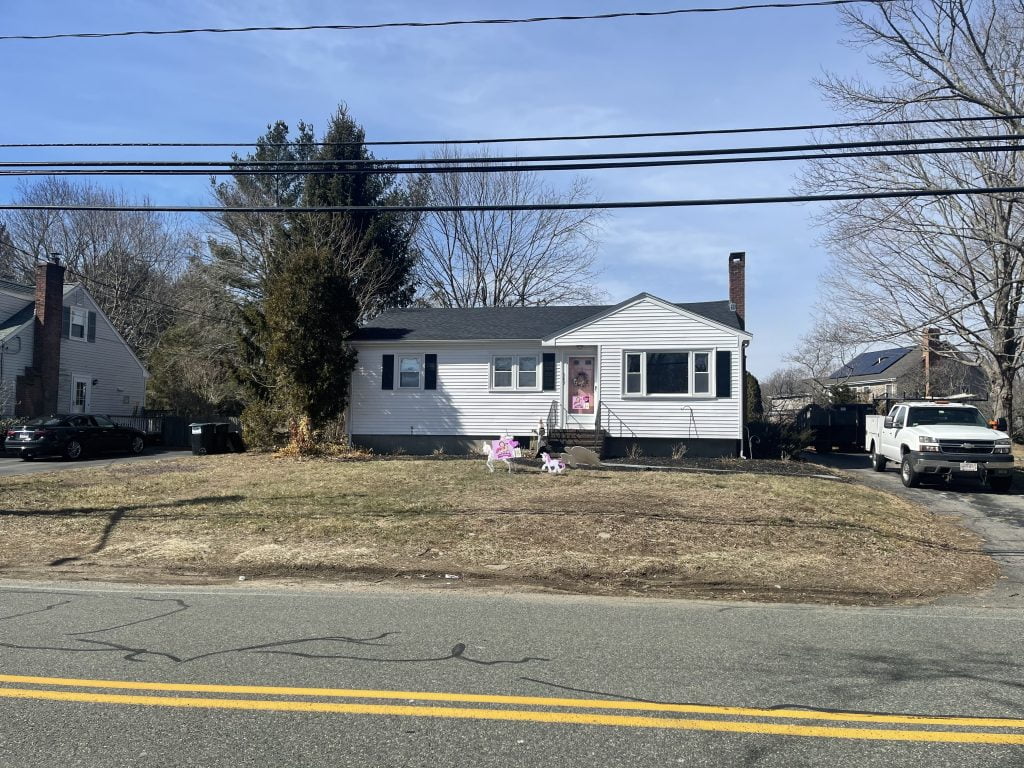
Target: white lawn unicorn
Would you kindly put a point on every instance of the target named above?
(554, 466)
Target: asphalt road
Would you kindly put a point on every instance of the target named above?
(15, 466)
(107, 676)
(997, 518)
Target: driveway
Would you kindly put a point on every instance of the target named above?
(9, 466)
(997, 518)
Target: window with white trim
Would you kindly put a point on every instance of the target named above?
(668, 372)
(409, 372)
(79, 323)
(515, 372)
(526, 376)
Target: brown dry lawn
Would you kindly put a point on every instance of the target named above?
(741, 535)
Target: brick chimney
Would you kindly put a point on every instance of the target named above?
(738, 285)
(929, 345)
(47, 331)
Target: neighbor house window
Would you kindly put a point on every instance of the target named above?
(409, 369)
(79, 322)
(674, 372)
(515, 372)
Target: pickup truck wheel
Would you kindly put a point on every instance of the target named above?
(878, 461)
(909, 477)
(1000, 484)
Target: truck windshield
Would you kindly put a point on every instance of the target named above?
(920, 417)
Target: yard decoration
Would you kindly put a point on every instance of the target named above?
(578, 456)
(553, 466)
(503, 449)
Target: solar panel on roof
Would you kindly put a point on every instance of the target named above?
(872, 362)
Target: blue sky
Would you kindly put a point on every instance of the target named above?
(673, 73)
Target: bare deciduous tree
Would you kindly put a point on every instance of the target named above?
(956, 263)
(503, 258)
(127, 260)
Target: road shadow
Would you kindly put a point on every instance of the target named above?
(114, 517)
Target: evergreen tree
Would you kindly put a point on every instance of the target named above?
(303, 282)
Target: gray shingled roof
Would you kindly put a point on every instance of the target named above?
(9, 326)
(481, 323)
(9, 285)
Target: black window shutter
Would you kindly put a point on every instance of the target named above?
(430, 371)
(387, 372)
(66, 325)
(723, 374)
(547, 376)
(91, 333)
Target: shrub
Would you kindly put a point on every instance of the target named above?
(634, 452)
(264, 426)
(679, 451)
(776, 440)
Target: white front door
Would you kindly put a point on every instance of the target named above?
(81, 394)
(581, 392)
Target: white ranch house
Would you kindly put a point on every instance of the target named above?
(646, 371)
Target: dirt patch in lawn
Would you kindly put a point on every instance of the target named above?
(654, 533)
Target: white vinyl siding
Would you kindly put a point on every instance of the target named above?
(464, 403)
(647, 325)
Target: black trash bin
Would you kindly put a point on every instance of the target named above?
(208, 437)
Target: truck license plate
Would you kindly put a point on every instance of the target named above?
(968, 466)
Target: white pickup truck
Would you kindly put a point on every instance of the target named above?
(940, 439)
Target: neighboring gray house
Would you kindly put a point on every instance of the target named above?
(930, 369)
(645, 371)
(60, 354)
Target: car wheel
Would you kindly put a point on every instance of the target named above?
(28, 457)
(909, 477)
(823, 447)
(1000, 484)
(878, 461)
(136, 446)
(73, 450)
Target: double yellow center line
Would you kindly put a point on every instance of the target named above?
(842, 725)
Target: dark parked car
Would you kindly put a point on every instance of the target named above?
(72, 437)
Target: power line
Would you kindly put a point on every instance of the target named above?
(115, 289)
(449, 23)
(523, 139)
(320, 171)
(298, 165)
(109, 290)
(697, 202)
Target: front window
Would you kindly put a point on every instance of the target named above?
(515, 372)
(527, 376)
(634, 376)
(79, 320)
(701, 373)
(922, 417)
(667, 373)
(503, 372)
(409, 369)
